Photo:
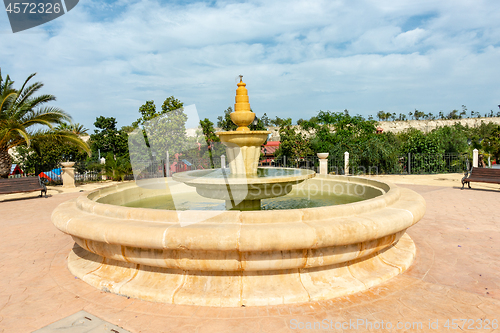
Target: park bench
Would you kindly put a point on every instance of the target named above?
(23, 184)
(483, 175)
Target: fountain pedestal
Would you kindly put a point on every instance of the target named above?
(243, 185)
(243, 150)
(68, 174)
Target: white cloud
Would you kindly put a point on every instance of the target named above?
(297, 56)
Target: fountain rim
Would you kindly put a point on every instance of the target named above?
(188, 178)
(390, 194)
(344, 224)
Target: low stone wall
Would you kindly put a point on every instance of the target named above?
(428, 125)
(400, 126)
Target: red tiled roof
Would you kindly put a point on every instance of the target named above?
(269, 150)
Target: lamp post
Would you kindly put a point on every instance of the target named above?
(255, 121)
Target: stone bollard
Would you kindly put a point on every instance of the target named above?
(103, 161)
(223, 161)
(475, 158)
(346, 163)
(68, 174)
(323, 163)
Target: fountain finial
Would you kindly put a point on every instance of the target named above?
(242, 116)
(243, 145)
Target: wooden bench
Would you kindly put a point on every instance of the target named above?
(23, 184)
(483, 175)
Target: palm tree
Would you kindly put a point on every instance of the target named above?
(23, 118)
(76, 128)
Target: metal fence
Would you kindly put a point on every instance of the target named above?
(408, 164)
(438, 163)
(308, 162)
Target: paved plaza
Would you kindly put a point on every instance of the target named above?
(456, 275)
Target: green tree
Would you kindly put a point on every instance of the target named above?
(108, 139)
(117, 167)
(450, 139)
(381, 115)
(166, 131)
(424, 150)
(76, 128)
(453, 115)
(338, 132)
(261, 124)
(47, 152)
(293, 144)
(210, 138)
(23, 117)
(279, 122)
(266, 122)
(491, 143)
(171, 104)
(224, 122)
(147, 111)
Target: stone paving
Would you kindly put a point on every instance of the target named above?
(456, 276)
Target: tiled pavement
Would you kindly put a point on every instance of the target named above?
(456, 276)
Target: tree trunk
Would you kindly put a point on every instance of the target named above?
(5, 162)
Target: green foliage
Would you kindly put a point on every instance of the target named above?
(491, 143)
(293, 143)
(450, 139)
(147, 111)
(224, 122)
(46, 152)
(266, 122)
(416, 142)
(338, 132)
(210, 138)
(378, 154)
(117, 168)
(421, 147)
(208, 130)
(279, 122)
(108, 139)
(261, 124)
(168, 132)
(23, 117)
(171, 104)
(76, 128)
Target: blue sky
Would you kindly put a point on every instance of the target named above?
(297, 57)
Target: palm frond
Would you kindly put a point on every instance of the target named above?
(6, 101)
(61, 136)
(12, 131)
(53, 114)
(25, 95)
(27, 80)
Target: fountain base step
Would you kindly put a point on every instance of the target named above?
(241, 288)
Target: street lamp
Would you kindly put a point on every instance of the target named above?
(255, 121)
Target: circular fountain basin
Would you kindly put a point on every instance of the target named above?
(236, 258)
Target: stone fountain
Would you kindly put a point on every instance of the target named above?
(242, 256)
